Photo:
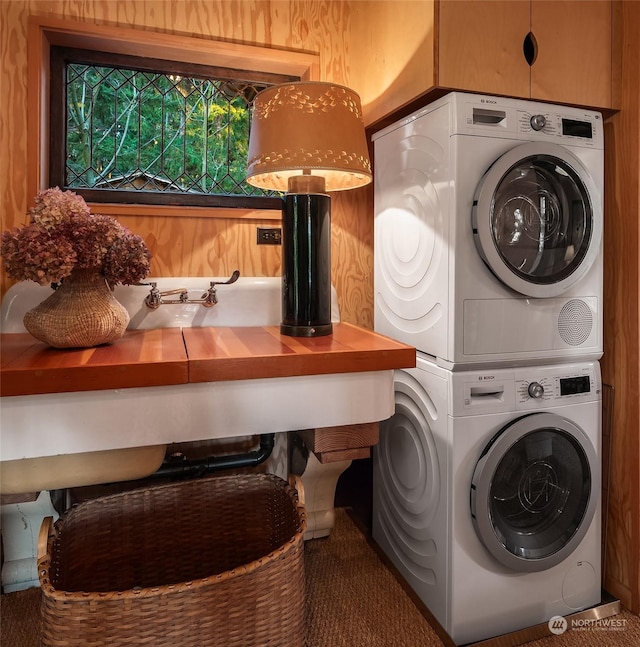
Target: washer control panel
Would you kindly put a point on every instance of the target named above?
(527, 388)
(557, 385)
(518, 120)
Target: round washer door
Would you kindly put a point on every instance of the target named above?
(537, 219)
(534, 492)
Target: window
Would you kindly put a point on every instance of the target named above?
(141, 130)
(47, 32)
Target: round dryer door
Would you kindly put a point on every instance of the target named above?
(537, 219)
(534, 492)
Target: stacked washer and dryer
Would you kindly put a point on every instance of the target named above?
(488, 259)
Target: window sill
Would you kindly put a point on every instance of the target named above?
(170, 211)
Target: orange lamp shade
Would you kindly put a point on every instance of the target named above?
(311, 129)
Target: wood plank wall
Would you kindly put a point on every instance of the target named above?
(621, 359)
(194, 246)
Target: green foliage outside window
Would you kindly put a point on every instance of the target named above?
(142, 130)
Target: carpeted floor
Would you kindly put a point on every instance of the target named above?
(353, 601)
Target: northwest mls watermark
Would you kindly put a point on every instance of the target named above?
(558, 625)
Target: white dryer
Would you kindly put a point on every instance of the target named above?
(486, 493)
(488, 231)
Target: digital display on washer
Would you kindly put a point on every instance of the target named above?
(577, 128)
(574, 385)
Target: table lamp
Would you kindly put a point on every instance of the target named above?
(307, 139)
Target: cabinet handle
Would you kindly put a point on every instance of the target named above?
(530, 48)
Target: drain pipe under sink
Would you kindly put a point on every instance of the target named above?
(180, 465)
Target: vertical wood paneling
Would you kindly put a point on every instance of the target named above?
(352, 254)
(13, 117)
(195, 246)
(206, 246)
(621, 360)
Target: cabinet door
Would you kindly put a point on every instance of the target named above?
(480, 46)
(573, 63)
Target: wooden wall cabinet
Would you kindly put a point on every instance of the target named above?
(405, 52)
(480, 48)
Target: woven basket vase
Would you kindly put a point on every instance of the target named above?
(81, 313)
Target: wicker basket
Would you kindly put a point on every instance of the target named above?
(215, 561)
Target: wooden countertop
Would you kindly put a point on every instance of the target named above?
(140, 358)
(178, 356)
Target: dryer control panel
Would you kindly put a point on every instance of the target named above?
(583, 129)
(524, 120)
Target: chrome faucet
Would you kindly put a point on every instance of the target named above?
(156, 298)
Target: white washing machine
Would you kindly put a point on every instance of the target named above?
(488, 231)
(486, 493)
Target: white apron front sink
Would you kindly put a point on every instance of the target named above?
(148, 418)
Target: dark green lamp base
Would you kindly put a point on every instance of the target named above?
(306, 265)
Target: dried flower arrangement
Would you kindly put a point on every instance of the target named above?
(64, 235)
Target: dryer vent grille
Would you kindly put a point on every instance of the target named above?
(575, 322)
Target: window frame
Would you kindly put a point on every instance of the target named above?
(44, 32)
(60, 57)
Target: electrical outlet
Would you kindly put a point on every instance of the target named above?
(269, 236)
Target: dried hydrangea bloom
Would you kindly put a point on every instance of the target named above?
(53, 207)
(127, 261)
(64, 235)
(36, 254)
(92, 237)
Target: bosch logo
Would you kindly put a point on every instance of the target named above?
(488, 101)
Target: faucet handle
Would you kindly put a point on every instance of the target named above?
(234, 277)
(154, 298)
(209, 298)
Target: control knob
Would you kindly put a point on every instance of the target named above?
(538, 122)
(535, 390)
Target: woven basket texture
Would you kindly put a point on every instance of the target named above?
(214, 561)
(81, 313)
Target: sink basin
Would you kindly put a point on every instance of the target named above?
(71, 439)
(250, 301)
(76, 470)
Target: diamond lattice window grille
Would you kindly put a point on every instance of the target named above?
(163, 131)
(158, 132)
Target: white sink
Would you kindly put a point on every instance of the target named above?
(48, 443)
(85, 424)
(250, 301)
